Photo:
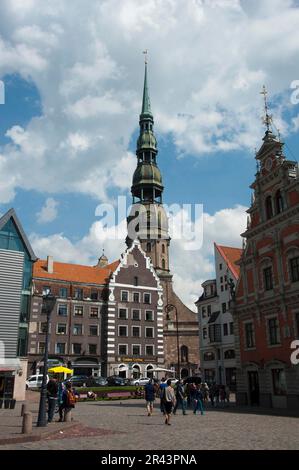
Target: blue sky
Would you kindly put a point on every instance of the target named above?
(74, 86)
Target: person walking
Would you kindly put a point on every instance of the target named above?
(149, 391)
(181, 400)
(169, 401)
(162, 386)
(52, 391)
(69, 400)
(198, 400)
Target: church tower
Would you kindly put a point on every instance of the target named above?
(148, 218)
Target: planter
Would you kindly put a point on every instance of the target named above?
(6, 404)
(12, 404)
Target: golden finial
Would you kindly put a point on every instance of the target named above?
(267, 119)
(145, 52)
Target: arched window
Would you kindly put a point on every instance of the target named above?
(163, 248)
(229, 354)
(278, 202)
(163, 263)
(268, 207)
(184, 353)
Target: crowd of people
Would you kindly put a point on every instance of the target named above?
(195, 397)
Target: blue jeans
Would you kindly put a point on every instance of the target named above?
(180, 403)
(198, 406)
(51, 408)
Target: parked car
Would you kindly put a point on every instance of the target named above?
(192, 380)
(116, 380)
(34, 382)
(77, 380)
(141, 381)
(96, 382)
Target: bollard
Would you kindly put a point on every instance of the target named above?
(24, 409)
(27, 423)
(68, 416)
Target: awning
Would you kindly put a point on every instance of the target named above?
(214, 317)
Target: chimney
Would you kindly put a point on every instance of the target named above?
(50, 264)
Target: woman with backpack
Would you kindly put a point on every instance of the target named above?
(68, 401)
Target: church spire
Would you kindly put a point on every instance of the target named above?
(146, 104)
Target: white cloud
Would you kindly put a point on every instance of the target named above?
(207, 63)
(48, 212)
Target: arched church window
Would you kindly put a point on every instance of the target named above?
(278, 202)
(184, 354)
(268, 206)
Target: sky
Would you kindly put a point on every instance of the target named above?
(73, 78)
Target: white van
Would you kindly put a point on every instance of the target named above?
(34, 382)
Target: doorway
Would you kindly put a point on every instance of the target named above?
(253, 386)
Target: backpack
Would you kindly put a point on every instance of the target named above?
(70, 399)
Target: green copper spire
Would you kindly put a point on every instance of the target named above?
(146, 104)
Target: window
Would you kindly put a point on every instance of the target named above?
(124, 296)
(149, 315)
(149, 332)
(225, 286)
(63, 292)
(149, 350)
(249, 335)
(46, 290)
(268, 280)
(60, 348)
(278, 202)
(224, 307)
(273, 329)
(209, 310)
(62, 310)
(77, 329)
(94, 312)
(94, 295)
(41, 347)
(61, 329)
(136, 297)
(204, 333)
(77, 348)
(78, 294)
(221, 279)
(93, 330)
(222, 289)
(136, 331)
(294, 267)
(203, 312)
(231, 328)
(136, 349)
(123, 349)
(43, 328)
(78, 311)
(92, 349)
(163, 249)
(225, 329)
(268, 207)
(122, 331)
(220, 266)
(279, 382)
(136, 314)
(229, 354)
(184, 354)
(147, 298)
(209, 356)
(135, 281)
(123, 313)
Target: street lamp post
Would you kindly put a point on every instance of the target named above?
(169, 308)
(47, 307)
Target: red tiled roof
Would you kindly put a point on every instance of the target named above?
(231, 256)
(74, 272)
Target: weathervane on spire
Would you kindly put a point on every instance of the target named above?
(145, 52)
(267, 119)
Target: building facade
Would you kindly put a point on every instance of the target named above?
(266, 306)
(16, 261)
(217, 342)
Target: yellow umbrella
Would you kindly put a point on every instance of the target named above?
(60, 370)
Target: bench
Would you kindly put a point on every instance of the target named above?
(116, 394)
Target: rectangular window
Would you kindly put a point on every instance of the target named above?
(249, 335)
(77, 348)
(92, 349)
(149, 350)
(62, 310)
(149, 315)
(123, 313)
(123, 349)
(94, 312)
(124, 296)
(60, 348)
(203, 312)
(231, 328)
(221, 279)
(136, 315)
(93, 330)
(135, 281)
(136, 349)
(94, 295)
(279, 382)
(43, 328)
(136, 331)
(220, 266)
(77, 329)
(63, 292)
(41, 347)
(78, 311)
(268, 279)
(221, 288)
(209, 310)
(61, 329)
(136, 297)
(122, 331)
(225, 329)
(147, 298)
(294, 265)
(204, 333)
(224, 307)
(273, 329)
(78, 294)
(149, 332)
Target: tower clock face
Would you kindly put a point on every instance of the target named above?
(268, 164)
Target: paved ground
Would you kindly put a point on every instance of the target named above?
(125, 425)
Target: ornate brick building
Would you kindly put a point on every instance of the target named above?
(266, 306)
